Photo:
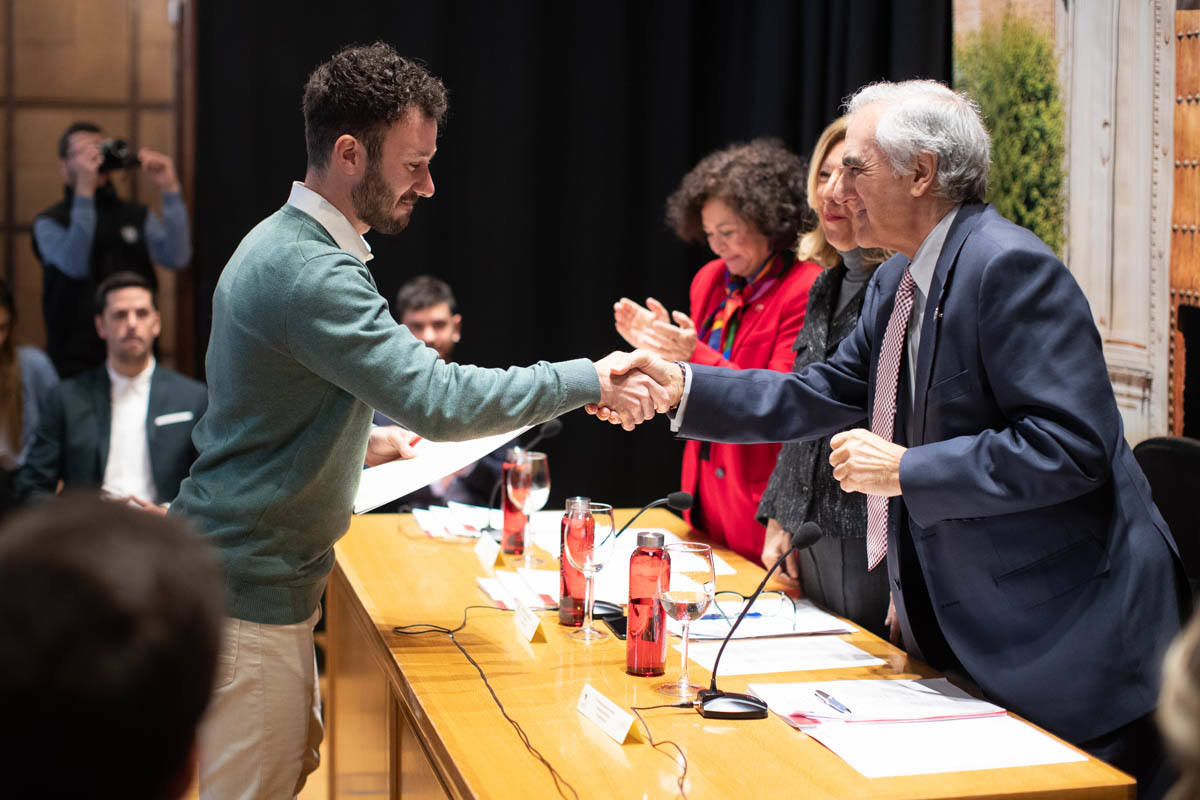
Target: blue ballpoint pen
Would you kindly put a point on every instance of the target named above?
(830, 701)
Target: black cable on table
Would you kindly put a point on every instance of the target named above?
(428, 627)
(658, 745)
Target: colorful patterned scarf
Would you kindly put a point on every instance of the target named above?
(721, 326)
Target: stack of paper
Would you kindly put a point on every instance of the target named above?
(886, 728)
(508, 587)
(807, 620)
(784, 654)
(921, 748)
(802, 704)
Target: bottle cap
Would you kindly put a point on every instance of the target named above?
(577, 505)
(648, 539)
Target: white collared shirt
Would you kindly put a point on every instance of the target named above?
(128, 469)
(333, 221)
(922, 267)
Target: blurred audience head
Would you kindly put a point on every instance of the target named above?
(1179, 709)
(426, 306)
(746, 201)
(835, 227)
(127, 319)
(110, 622)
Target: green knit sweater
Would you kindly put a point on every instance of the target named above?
(302, 349)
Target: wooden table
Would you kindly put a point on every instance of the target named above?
(410, 716)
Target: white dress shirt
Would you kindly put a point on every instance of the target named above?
(921, 267)
(333, 221)
(128, 469)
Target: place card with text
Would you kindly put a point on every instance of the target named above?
(488, 551)
(615, 721)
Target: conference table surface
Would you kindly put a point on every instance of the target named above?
(441, 733)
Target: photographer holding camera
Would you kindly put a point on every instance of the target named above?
(92, 233)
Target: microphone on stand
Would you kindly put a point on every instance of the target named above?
(716, 704)
(547, 430)
(677, 501)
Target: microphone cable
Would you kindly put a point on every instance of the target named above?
(658, 745)
(429, 627)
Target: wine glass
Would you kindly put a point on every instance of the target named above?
(685, 598)
(528, 487)
(587, 550)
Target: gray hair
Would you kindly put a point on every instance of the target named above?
(926, 115)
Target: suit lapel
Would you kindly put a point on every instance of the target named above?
(964, 223)
(101, 397)
(154, 409)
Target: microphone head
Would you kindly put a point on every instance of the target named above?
(807, 536)
(551, 428)
(682, 501)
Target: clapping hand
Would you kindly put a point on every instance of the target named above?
(634, 386)
(651, 329)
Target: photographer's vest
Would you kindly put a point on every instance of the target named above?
(67, 304)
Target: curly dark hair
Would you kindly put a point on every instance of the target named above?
(360, 91)
(762, 181)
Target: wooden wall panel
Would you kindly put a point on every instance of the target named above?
(71, 48)
(39, 181)
(1185, 211)
(156, 47)
(27, 292)
(156, 131)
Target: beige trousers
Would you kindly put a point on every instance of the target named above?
(260, 736)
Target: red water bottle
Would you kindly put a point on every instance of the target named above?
(512, 540)
(646, 633)
(577, 522)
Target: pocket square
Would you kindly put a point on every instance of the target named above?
(171, 419)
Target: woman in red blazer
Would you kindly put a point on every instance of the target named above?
(748, 203)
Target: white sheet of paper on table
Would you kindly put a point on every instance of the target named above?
(874, 700)
(541, 582)
(429, 523)
(781, 654)
(808, 620)
(920, 748)
(434, 460)
(473, 518)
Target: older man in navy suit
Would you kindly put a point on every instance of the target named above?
(1021, 541)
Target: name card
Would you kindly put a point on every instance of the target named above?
(615, 721)
(488, 551)
(528, 624)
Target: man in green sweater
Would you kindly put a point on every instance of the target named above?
(302, 350)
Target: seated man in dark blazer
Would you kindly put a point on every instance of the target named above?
(124, 427)
(1020, 538)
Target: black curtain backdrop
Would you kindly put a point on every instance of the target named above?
(569, 125)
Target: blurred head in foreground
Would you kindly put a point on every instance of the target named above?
(110, 621)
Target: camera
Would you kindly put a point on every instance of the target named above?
(117, 155)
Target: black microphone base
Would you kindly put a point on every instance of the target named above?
(715, 704)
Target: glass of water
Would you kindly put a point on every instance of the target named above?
(685, 598)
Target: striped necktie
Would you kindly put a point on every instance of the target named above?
(883, 415)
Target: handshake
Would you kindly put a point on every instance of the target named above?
(635, 386)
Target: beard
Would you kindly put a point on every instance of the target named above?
(376, 204)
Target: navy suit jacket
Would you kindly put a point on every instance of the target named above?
(72, 437)
(1049, 570)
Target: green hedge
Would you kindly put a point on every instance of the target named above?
(1009, 68)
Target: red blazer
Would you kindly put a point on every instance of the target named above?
(730, 483)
